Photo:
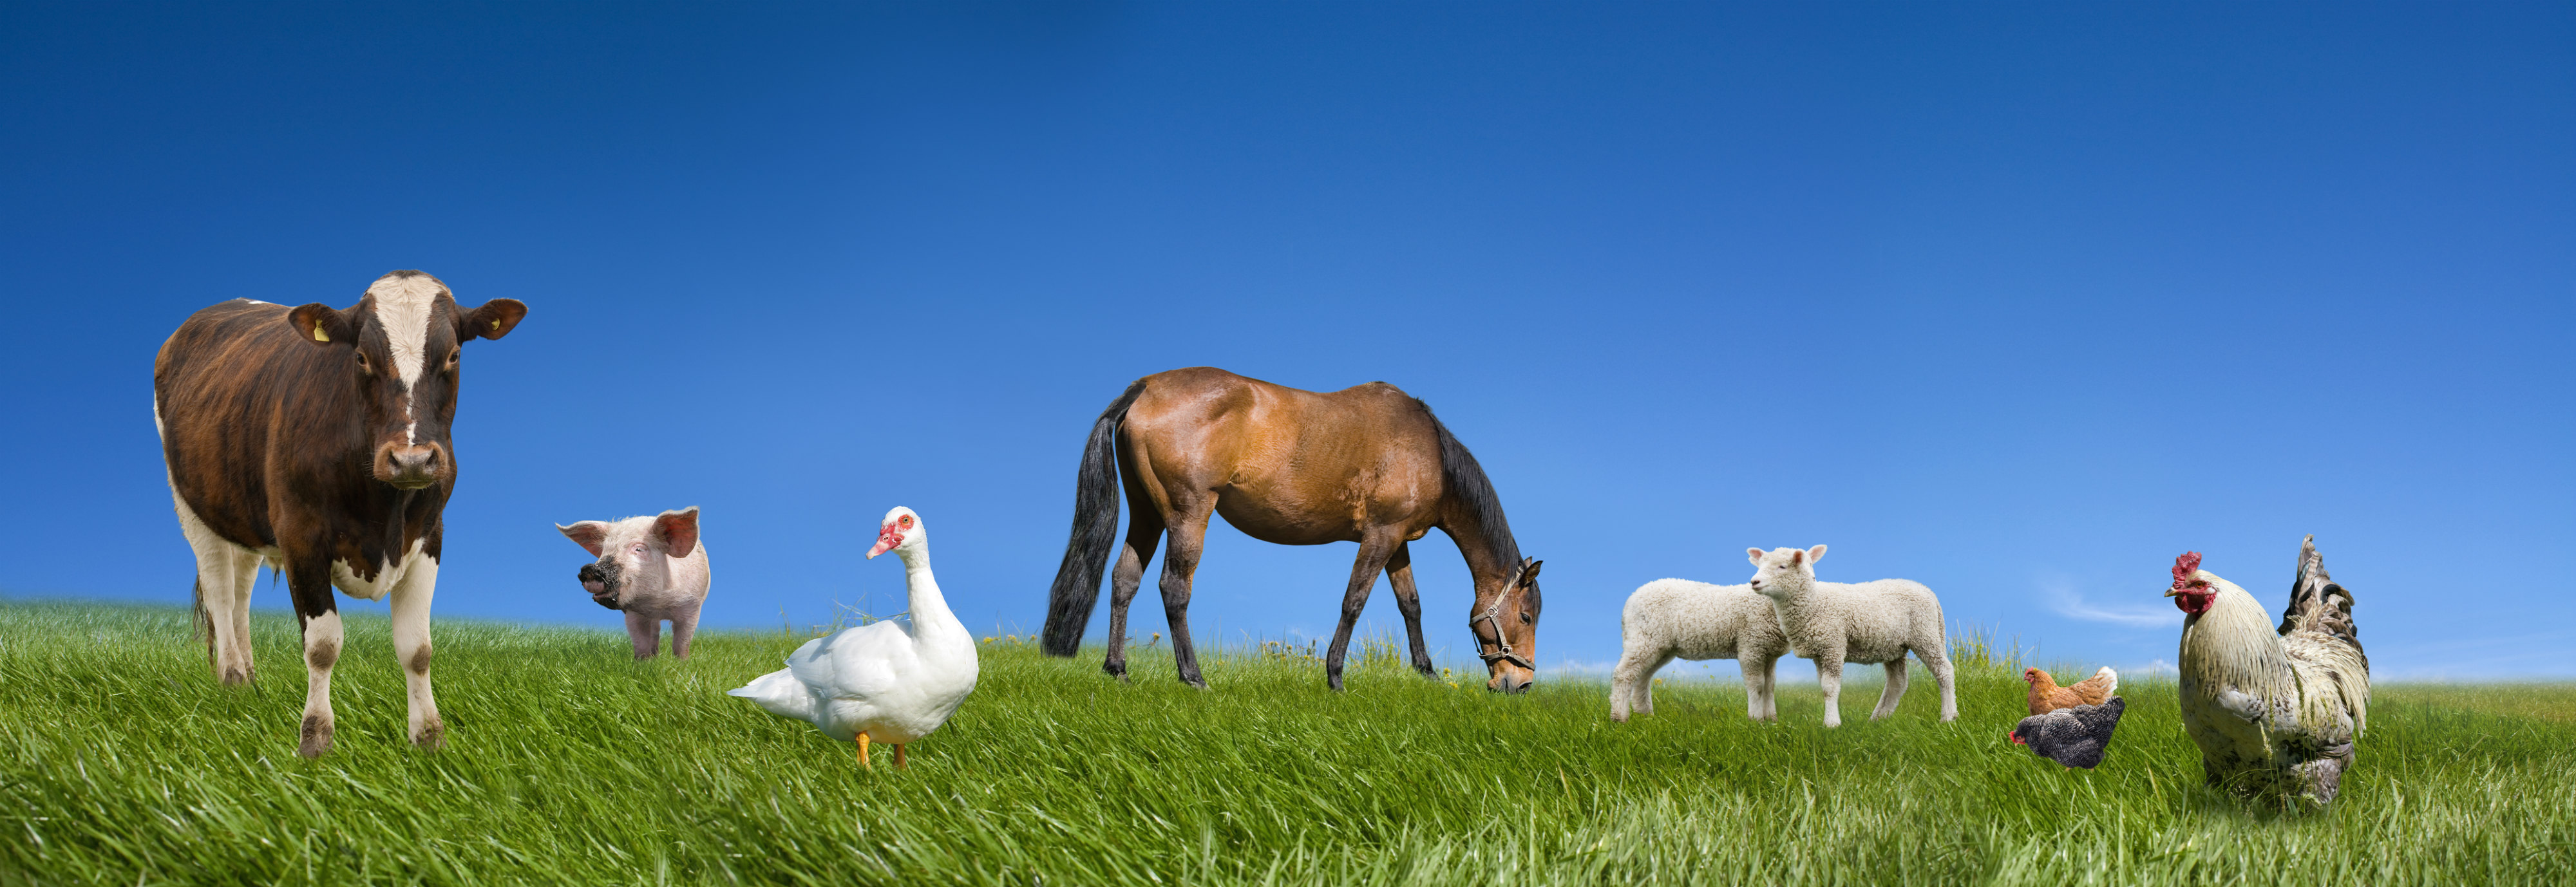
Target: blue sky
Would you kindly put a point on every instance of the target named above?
(2019, 301)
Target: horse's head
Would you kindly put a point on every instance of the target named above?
(1505, 620)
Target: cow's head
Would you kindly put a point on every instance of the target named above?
(401, 341)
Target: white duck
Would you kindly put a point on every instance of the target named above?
(876, 682)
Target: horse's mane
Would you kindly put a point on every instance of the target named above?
(1465, 480)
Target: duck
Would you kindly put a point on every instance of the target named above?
(877, 683)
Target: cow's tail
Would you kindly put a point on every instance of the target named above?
(202, 623)
(1095, 531)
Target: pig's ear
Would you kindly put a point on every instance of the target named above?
(587, 534)
(679, 531)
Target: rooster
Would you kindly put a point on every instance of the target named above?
(2274, 711)
(2046, 696)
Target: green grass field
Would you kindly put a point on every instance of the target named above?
(567, 762)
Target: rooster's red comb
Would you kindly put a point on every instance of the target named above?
(2184, 565)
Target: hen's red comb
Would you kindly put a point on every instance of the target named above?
(2184, 565)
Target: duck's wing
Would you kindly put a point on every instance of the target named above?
(855, 663)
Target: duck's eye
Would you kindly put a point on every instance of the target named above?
(904, 521)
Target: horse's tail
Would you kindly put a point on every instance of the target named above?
(1095, 531)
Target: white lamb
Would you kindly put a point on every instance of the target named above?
(1834, 622)
(1671, 619)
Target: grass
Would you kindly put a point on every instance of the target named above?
(121, 762)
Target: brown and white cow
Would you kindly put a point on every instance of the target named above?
(316, 440)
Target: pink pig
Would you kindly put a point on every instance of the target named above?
(654, 568)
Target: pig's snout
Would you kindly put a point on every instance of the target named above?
(596, 580)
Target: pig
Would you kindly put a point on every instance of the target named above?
(653, 568)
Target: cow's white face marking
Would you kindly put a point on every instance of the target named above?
(403, 308)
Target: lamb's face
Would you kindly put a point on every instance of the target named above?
(1782, 573)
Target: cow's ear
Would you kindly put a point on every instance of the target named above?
(679, 531)
(588, 534)
(491, 320)
(322, 325)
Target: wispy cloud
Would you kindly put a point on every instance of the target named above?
(2064, 600)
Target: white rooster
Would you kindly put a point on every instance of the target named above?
(2275, 711)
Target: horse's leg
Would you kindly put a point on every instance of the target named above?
(1144, 528)
(308, 581)
(1374, 551)
(1399, 575)
(1189, 535)
(1895, 688)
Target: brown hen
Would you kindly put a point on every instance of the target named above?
(2046, 696)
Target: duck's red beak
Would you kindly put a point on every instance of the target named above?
(887, 539)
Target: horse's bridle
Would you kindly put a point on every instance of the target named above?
(1501, 640)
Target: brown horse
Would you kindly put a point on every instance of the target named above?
(1366, 464)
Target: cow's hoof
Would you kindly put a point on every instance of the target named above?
(317, 737)
(431, 736)
(235, 677)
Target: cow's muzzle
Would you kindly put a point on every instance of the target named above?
(411, 466)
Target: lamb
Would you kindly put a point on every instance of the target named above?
(1671, 619)
(1868, 622)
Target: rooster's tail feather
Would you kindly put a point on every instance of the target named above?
(2316, 602)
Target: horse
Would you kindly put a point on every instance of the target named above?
(1366, 464)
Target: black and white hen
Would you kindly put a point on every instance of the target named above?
(2076, 736)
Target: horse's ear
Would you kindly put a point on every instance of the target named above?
(1529, 570)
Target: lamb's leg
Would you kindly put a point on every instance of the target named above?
(1895, 688)
(1628, 682)
(1936, 656)
(1759, 702)
(1829, 672)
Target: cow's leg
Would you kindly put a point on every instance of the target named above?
(225, 575)
(1180, 562)
(308, 581)
(1379, 545)
(411, 648)
(683, 627)
(1144, 529)
(646, 632)
(1399, 577)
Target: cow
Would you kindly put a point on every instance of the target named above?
(315, 440)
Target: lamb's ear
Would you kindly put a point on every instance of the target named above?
(322, 324)
(589, 534)
(679, 531)
(1815, 554)
(1797, 557)
(1754, 555)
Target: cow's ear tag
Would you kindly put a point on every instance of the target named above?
(319, 335)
